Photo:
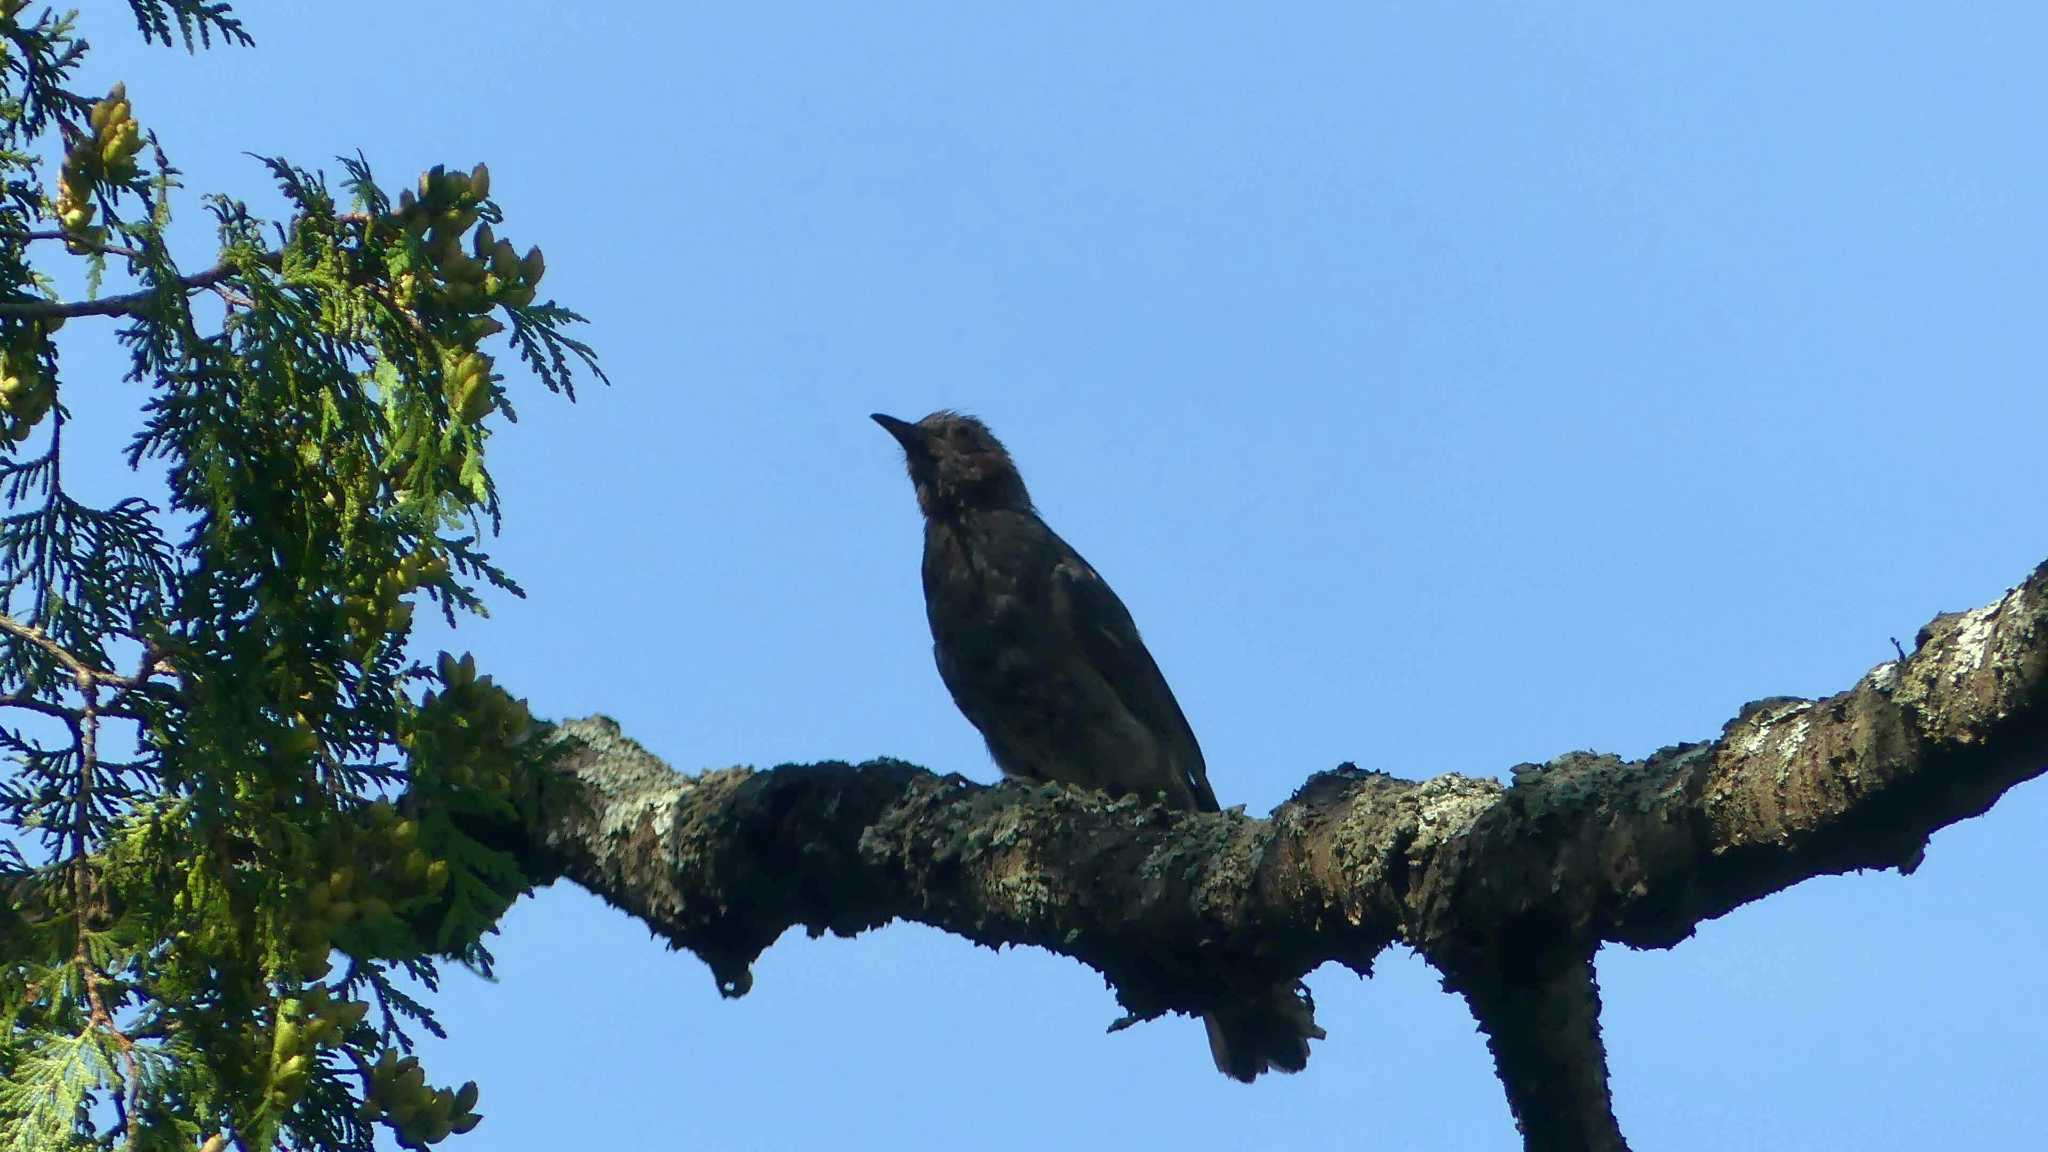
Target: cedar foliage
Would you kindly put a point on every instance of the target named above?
(232, 803)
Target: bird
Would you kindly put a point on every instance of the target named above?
(1044, 660)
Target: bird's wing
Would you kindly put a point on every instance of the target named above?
(1108, 637)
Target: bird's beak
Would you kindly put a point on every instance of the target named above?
(907, 434)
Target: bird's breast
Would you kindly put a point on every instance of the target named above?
(973, 601)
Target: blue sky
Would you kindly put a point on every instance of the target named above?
(1442, 387)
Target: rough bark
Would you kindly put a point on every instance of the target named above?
(1508, 889)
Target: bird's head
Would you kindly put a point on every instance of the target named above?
(956, 464)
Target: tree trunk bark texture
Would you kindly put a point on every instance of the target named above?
(1508, 889)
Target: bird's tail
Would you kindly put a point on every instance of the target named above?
(1263, 1033)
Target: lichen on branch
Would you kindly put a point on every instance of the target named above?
(1501, 886)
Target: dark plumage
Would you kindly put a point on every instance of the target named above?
(1044, 660)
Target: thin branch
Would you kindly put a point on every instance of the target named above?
(135, 303)
(130, 304)
(33, 703)
(87, 678)
(76, 243)
(85, 674)
(88, 773)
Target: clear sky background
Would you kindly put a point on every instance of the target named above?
(1442, 387)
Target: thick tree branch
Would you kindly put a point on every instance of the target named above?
(1541, 1016)
(1508, 890)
